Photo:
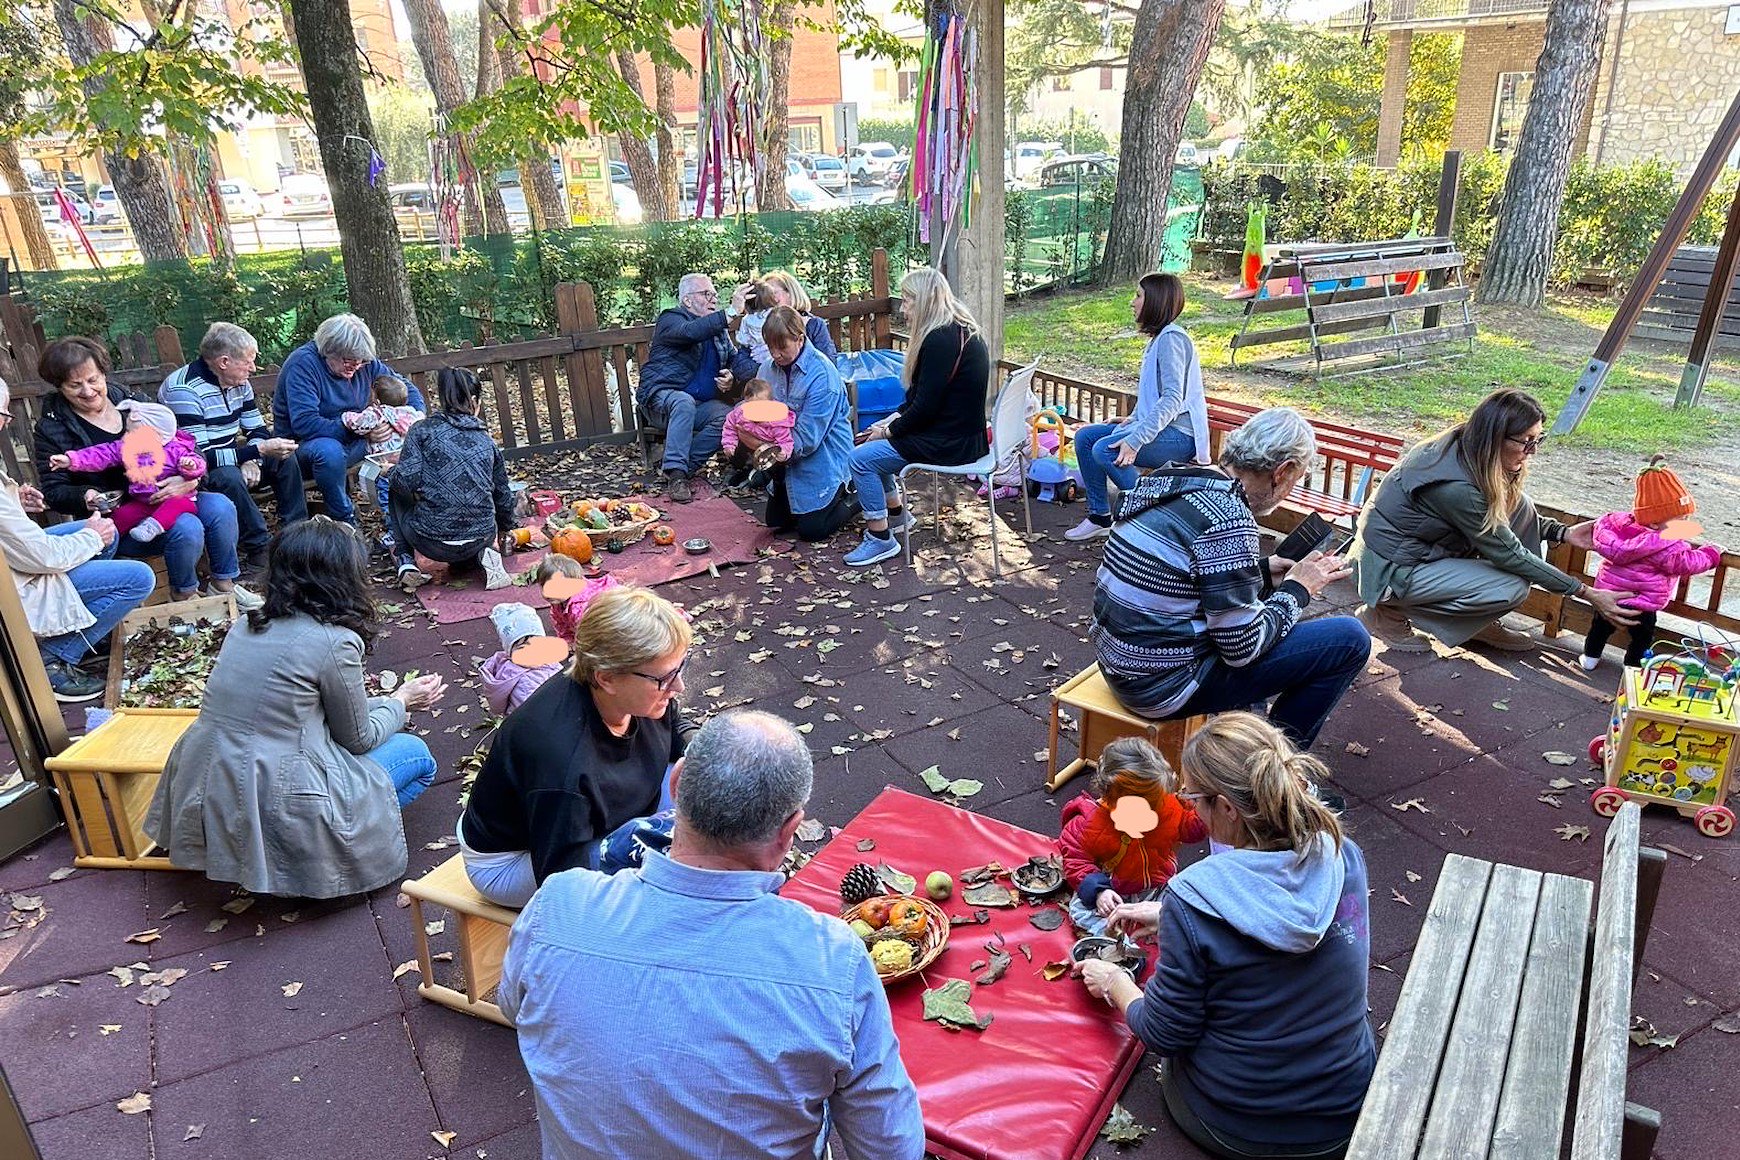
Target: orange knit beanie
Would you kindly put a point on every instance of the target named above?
(1660, 495)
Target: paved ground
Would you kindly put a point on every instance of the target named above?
(240, 1061)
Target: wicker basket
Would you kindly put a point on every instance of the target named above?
(627, 533)
(930, 944)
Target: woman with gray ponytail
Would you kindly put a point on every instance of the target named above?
(1259, 1001)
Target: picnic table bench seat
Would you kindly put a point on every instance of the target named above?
(1350, 462)
(1481, 1054)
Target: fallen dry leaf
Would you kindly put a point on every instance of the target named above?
(1644, 1034)
(1561, 783)
(1051, 972)
(1357, 749)
(1728, 1024)
(291, 990)
(1567, 831)
(1398, 896)
(144, 936)
(134, 1104)
(406, 968)
(194, 1132)
(1412, 877)
(1557, 757)
(445, 1139)
(237, 905)
(1411, 804)
(812, 830)
(108, 1029)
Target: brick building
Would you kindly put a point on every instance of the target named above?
(1668, 71)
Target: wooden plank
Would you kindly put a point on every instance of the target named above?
(1406, 340)
(1473, 1072)
(1395, 303)
(1537, 1081)
(1317, 250)
(624, 389)
(528, 401)
(1284, 302)
(1606, 1030)
(1300, 332)
(553, 398)
(1380, 267)
(504, 408)
(1401, 1088)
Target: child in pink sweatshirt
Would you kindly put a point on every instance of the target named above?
(138, 517)
(744, 438)
(1642, 555)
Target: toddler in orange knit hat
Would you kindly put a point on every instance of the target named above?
(1644, 552)
(1120, 840)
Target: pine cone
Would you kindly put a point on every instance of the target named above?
(860, 884)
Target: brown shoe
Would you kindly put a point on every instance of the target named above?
(677, 488)
(1387, 623)
(1501, 636)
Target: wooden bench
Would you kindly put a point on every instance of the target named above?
(107, 779)
(1103, 720)
(1481, 1052)
(482, 932)
(1350, 463)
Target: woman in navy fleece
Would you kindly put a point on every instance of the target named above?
(1259, 1001)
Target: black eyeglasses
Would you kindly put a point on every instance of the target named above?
(1529, 446)
(667, 682)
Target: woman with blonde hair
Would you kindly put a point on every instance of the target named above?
(941, 421)
(1450, 542)
(1258, 1004)
(785, 290)
(587, 754)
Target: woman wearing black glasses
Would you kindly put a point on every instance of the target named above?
(584, 755)
(1450, 542)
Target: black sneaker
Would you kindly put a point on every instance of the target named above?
(70, 683)
(253, 561)
(677, 488)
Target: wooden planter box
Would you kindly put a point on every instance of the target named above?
(208, 607)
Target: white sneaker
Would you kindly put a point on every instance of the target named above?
(1590, 664)
(246, 600)
(1087, 530)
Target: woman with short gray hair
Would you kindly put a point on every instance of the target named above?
(1189, 618)
(345, 336)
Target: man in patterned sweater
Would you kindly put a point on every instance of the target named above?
(1188, 617)
(214, 402)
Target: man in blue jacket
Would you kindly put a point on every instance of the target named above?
(692, 360)
(317, 384)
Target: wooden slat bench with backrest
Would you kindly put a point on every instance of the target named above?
(1350, 462)
(1671, 315)
(1509, 987)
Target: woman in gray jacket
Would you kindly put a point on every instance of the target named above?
(291, 780)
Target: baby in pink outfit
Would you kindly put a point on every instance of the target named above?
(137, 516)
(744, 438)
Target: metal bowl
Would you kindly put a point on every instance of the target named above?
(1037, 878)
(1091, 948)
(697, 546)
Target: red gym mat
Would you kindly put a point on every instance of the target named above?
(1041, 1080)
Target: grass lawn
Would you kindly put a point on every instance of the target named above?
(1089, 334)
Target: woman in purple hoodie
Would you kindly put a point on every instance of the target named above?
(1258, 1003)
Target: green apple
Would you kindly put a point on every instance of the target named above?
(939, 885)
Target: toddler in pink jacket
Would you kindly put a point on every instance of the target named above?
(1644, 552)
(137, 516)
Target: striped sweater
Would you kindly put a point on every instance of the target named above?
(215, 416)
(1182, 587)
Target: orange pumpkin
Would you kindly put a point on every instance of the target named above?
(582, 508)
(664, 535)
(609, 505)
(573, 543)
(906, 917)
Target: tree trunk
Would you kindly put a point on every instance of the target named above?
(543, 198)
(495, 218)
(643, 167)
(1168, 44)
(374, 257)
(670, 160)
(141, 183)
(434, 41)
(1521, 257)
(36, 241)
(775, 127)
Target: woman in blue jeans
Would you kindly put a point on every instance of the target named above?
(1171, 420)
(940, 422)
(83, 413)
(292, 779)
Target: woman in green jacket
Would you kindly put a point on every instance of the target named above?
(1449, 542)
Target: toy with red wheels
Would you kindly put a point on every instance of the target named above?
(1714, 821)
(1598, 748)
(1607, 800)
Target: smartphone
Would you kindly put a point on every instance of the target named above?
(1312, 535)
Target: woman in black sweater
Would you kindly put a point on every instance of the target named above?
(941, 422)
(586, 754)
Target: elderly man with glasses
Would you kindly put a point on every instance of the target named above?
(322, 379)
(691, 366)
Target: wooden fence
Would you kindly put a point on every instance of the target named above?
(568, 390)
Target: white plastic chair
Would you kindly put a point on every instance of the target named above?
(1009, 431)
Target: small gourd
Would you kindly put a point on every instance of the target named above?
(573, 543)
(664, 535)
(906, 917)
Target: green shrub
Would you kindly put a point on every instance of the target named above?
(898, 132)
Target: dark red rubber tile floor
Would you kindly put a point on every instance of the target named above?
(895, 670)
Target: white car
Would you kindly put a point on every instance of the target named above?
(627, 203)
(806, 195)
(830, 173)
(107, 206)
(240, 200)
(1027, 158)
(50, 208)
(305, 195)
(869, 160)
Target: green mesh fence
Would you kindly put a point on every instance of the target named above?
(501, 289)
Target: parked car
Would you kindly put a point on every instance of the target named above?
(869, 161)
(690, 168)
(806, 195)
(1026, 159)
(240, 200)
(50, 208)
(828, 172)
(107, 207)
(1187, 156)
(619, 173)
(305, 195)
(1082, 169)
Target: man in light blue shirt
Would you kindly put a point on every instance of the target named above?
(685, 1009)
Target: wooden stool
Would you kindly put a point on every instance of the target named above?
(1104, 720)
(106, 781)
(483, 936)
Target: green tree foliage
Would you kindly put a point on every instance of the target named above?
(1081, 136)
(1252, 37)
(898, 133)
(1321, 102)
(404, 121)
(1049, 38)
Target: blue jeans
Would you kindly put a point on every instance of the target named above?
(211, 532)
(1098, 461)
(326, 462)
(110, 590)
(251, 531)
(1307, 672)
(873, 466)
(407, 760)
(693, 431)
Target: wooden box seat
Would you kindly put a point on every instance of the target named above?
(106, 781)
(482, 931)
(1102, 720)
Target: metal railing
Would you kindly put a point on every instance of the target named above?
(1411, 12)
